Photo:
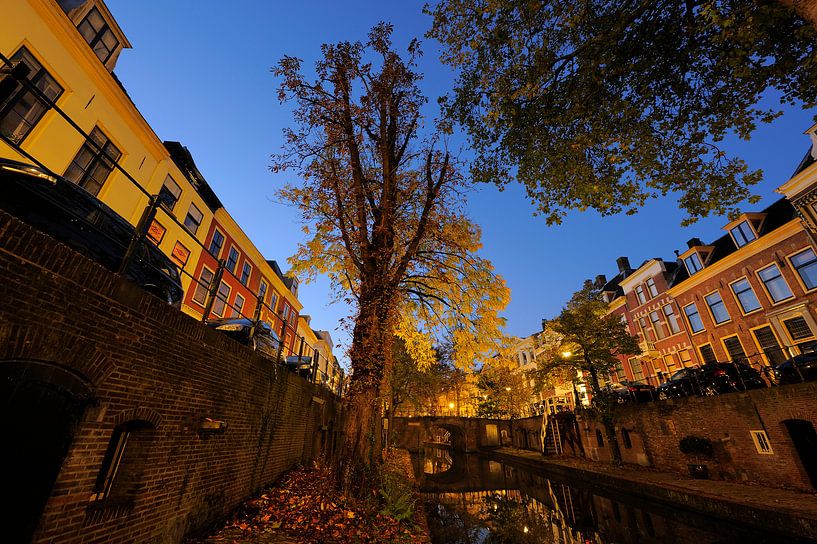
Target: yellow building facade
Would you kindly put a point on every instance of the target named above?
(71, 53)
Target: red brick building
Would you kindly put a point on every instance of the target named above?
(748, 295)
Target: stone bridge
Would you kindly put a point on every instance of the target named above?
(462, 434)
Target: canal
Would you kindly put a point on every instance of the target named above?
(472, 499)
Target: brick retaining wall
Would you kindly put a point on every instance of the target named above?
(147, 362)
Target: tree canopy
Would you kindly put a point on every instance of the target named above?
(593, 104)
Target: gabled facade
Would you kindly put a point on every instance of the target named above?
(749, 295)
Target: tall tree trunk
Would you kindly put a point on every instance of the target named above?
(371, 356)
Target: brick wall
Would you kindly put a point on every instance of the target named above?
(144, 361)
(655, 430)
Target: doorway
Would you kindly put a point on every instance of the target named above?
(40, 406)
(804, 438)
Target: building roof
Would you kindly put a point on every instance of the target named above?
(184, 160)
(286, 279)
(807, 161)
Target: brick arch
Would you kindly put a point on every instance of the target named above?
(140, 413)
(49, 343)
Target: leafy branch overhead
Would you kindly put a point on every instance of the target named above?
(594, 104)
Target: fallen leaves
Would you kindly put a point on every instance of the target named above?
(304, 507)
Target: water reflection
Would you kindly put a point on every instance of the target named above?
(474, 500)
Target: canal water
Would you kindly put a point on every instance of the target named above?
(474, 500)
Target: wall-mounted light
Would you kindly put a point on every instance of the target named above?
(211, 426)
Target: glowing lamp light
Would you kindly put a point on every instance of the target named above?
(451, 405)
(507, 389)
(525, 529)
(566, 354)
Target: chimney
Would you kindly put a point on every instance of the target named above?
(624, 265)
(693, 242)
(601, 279)
(812, 133)
(308, 319)
(544, 324)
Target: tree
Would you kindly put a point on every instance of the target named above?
(593, 339)
(594, 104)
(410, 385)
(503, 391)
(382, 206)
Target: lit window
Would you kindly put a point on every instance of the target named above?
(694, 318)
(653, 290)
(193, 219)
(746, 296)
(805, 263)
(246, 270)
(762, 444)
(719, 312)
(221, 299)
(693, 264)
(637, 369)
(742, 233)
(169, 193)
(672, 319)
(232, 260)
(685, 357)
(202, 286)
(216, 243)
(775, 284)
(98, 35)
(20, 108)
(93, 163)
(639, 293)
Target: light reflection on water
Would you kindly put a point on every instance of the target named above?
(474, 500)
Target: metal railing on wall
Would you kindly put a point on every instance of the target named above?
(295, 353)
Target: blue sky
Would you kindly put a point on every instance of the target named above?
(200, 74)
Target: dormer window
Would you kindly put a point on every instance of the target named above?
(742, 233)
(693, 263)
(98, 35)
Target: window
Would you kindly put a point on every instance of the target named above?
(734, 349)
(672, 319)
(768, 344)
(746, 296)
(221, 299)
(708, 354)
(638, 370)
(669, 362)
(239, 305)
(216, 243)
(639, 293)
(98, 35)
(246, 270)
(685, 357)
(193, 219)
(798, 328)
(93, 163)
(20, 108)
(262, 289)
(620, 375)
(125, 459)
(694, 318)
(776, 286)
(657, 325)
(180, 254)
(169, 194)
(649, 334)
(625, 437)
(693, 263)
(651, 288)
(717, 307)
(202, 286)
(805, 263)
(762, 443)
(742, 233)
(599, 439)
(232, 260)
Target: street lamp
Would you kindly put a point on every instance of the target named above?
(566, 354)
